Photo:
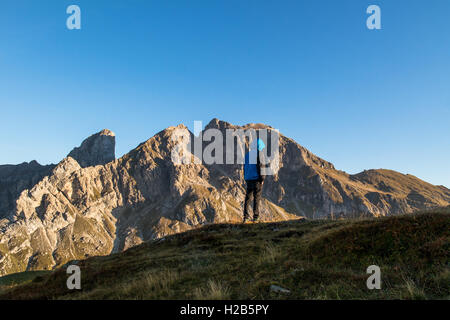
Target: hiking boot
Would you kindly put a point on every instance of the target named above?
(255, 219)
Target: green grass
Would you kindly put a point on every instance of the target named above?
(318, 259)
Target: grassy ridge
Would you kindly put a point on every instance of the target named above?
(313, 259)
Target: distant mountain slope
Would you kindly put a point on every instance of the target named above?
(417, 193)
(77, 211)
(97, 149)
(16, 178)
(313, 259)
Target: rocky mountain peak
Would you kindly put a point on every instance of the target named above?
(98, 149)
(219, 124)
(223, 125)
(66, 167)
(256, 126)
(107, 132)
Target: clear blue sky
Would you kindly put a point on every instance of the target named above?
(358, 98)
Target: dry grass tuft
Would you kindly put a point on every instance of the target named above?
(214, 291)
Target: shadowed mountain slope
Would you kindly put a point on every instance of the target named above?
(16, 178)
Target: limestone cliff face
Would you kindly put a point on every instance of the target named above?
(77, 211)
(97, 149)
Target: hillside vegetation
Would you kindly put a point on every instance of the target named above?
(318, 259)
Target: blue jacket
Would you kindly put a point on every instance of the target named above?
(252, 164)
(252, 171)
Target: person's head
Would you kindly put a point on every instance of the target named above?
(257, 144)
(261, 145)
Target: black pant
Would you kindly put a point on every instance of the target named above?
(254, 191)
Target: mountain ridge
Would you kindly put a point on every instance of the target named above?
(76, 212)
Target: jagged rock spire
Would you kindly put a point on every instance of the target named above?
(97, 149)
